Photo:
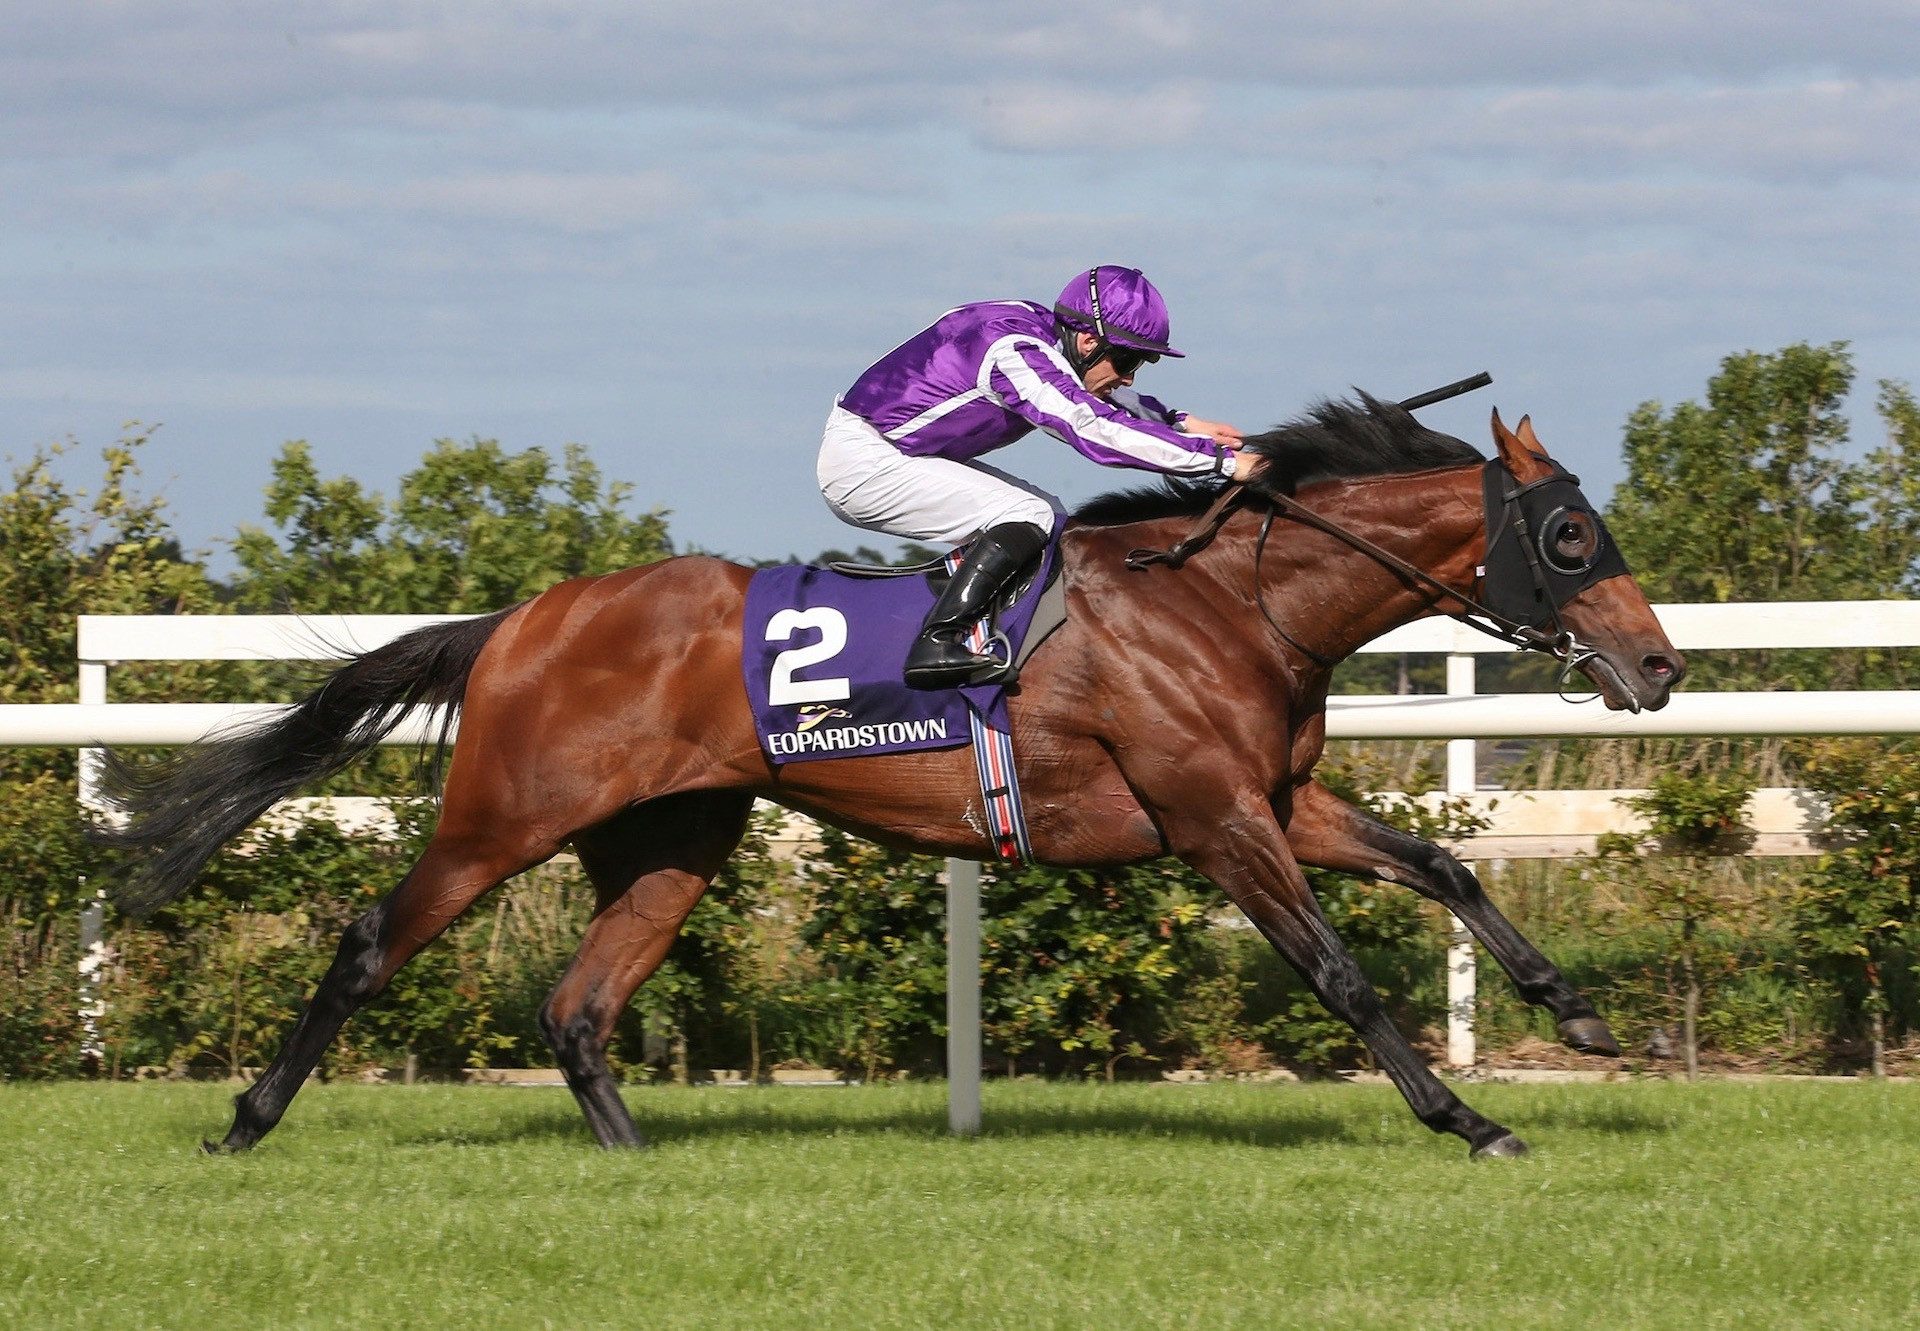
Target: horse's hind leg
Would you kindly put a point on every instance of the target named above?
(455, 871)
(1329, 833)
(649, 866)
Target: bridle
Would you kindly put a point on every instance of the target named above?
(1508, 524)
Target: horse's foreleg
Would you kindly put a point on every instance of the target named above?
(1240, 847)
(1329, 833)
(450, 876)
(650, 866)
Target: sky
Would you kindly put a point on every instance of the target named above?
(673, 233)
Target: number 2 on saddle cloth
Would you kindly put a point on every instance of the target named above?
(822, 653)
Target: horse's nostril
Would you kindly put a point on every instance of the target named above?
(1662, 668)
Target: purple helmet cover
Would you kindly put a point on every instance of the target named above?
(1121, 306)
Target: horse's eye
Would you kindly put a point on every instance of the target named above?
(1572, 541)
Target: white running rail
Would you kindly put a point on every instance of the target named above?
(1461, 715)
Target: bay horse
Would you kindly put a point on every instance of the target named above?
(1180, 710)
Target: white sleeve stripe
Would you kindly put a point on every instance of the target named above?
(1005, 357)
(934, 413)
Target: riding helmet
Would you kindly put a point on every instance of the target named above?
(1118, 305)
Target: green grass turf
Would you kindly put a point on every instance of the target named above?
(1082, 1206)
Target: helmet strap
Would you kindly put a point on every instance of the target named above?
(1070, 348)
(1070, 335)
(1093, 302)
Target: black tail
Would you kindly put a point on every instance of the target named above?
(178, 812)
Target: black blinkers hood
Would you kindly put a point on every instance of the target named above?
(1520, 580)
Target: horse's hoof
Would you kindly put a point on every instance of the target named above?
(1590, 1036)
(1504, 1147)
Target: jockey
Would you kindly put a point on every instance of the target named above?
(899, 454)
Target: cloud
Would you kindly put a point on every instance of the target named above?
(582, 202)
(1329, 45)
(1814, 130)
(201, 389)
(577, 203)
(1046, 118)
(159, 78)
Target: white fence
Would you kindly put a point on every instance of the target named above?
(1461, 716)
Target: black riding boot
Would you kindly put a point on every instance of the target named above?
(938, 658)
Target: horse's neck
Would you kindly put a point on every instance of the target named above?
(1433, 520)
(1325, 594)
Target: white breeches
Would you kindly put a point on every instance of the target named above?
(872, 484)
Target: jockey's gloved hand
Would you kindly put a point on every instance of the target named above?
(1226, 434)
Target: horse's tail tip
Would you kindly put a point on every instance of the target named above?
(139, 897)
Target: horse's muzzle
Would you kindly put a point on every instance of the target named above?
(1646, 686)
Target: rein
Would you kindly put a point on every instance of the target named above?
(1562, 646)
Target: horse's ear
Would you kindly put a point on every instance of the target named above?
(1521, 451)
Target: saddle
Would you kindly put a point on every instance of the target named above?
(1049, 611)
(822, 651)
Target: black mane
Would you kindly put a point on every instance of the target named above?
(1333, 440)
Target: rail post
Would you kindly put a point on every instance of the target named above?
(963, 998)
(93, 916)
(1462, 779)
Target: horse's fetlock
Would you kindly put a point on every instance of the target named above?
(355, 975)
(364, 933)
(358, 981)
(251, 1121)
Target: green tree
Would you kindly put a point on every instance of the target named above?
(1688, 815)
(68, 555)
(1088, 962)
(755, 913)
(474, 528)
(1746, 496)
(1857, 916)
(1890, 486)
(1079, 966)
(876, 919)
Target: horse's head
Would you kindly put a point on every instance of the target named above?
(1552, 565)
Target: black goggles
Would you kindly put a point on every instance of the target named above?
(1126, 360)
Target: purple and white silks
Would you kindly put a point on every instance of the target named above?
(984, 375)
(823, 655)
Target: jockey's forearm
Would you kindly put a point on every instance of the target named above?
(1035, 383)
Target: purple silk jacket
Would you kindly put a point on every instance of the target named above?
(984, 375)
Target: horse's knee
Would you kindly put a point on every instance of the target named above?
(1439, 875)
(1336, 976)
(1346, 987)
(570, 1032)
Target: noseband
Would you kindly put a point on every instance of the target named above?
(1522, 583)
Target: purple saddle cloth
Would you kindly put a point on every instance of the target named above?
(823, 654)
